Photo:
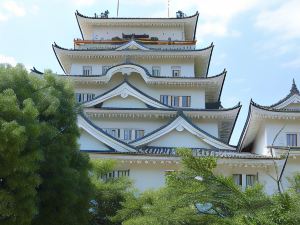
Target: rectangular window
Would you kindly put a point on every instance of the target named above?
(250, 180)
(237, 178)
(113, 132)
(123, 173)
(291, 140)
(127, 134)
(84, 97)
(186, 101)
(164, 99)
(104, 69)
(156, 71)
(175, 101)
(176, 71)
(139, 134)
(87, 70)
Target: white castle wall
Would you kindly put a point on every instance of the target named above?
(88, 142)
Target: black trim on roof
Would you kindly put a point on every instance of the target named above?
(130, 85)
(151, 49)
(34, 70)
(76, 13)
(212, 46)
(53, 47)
(294, 91)
(194, 36)
(219, 98)
(115, 18)
(103, 132)
(270, 109)
(174, 109)
(233, 126)
(181, 114)
(241, 140)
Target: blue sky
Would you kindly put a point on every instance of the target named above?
(257, 41)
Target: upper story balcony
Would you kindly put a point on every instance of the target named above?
(142, 39)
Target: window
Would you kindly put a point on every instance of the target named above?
(104, 69)
(113, 132)
(123, 173)
(156, 71)
(250, 180)
(237, 178)
(176, 71)
(87, 70)
(139, 133)
(84, 97)
(291, 139)
(164, 99)
(186, 101)
(127, 134)
(176, 101)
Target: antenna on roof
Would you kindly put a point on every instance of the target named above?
(118, 8)
(168, 8)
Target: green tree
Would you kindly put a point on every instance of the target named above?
(195, 195)
(38, 146)
(19, 147)
(109, 193)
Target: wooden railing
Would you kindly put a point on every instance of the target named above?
(143, 41)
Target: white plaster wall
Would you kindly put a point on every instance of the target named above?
(148, 176)
(128, 102)
(294, 106)
(179, 139)
(272, 128)
(162, 33)
(88, 142)
(187, 69)
(260, 146)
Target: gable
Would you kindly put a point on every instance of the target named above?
(88, 142)
(132, 45)
(177, 139)
(127, 102)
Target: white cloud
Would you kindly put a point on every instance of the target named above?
(14, 8)
(8, 59)
(283, 21)
(3, 17)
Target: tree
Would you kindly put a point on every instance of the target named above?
(195, 195)
(43, 176)
(109, 193)
(19, 146)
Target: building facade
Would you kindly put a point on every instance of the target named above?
(144, 89)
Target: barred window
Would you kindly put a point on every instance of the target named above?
(87, 70)
(250, 180)
(176, 70)
(176, 101)
(237, 179)
(156, 71)
(84, 97)
(104, 69)
(291, 139)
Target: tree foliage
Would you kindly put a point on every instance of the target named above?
(43, 176)
(195, 195)
(109, 193)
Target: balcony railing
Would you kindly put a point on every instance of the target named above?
(142, 40)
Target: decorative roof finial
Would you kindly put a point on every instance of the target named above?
(294, 89)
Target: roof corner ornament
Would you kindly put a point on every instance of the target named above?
(294, 89)
(180, 14)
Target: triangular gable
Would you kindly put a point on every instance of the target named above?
(124, 90)
(102, 136)
(182, 124)
(290, 103)
(132, 45)
(179, 139)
